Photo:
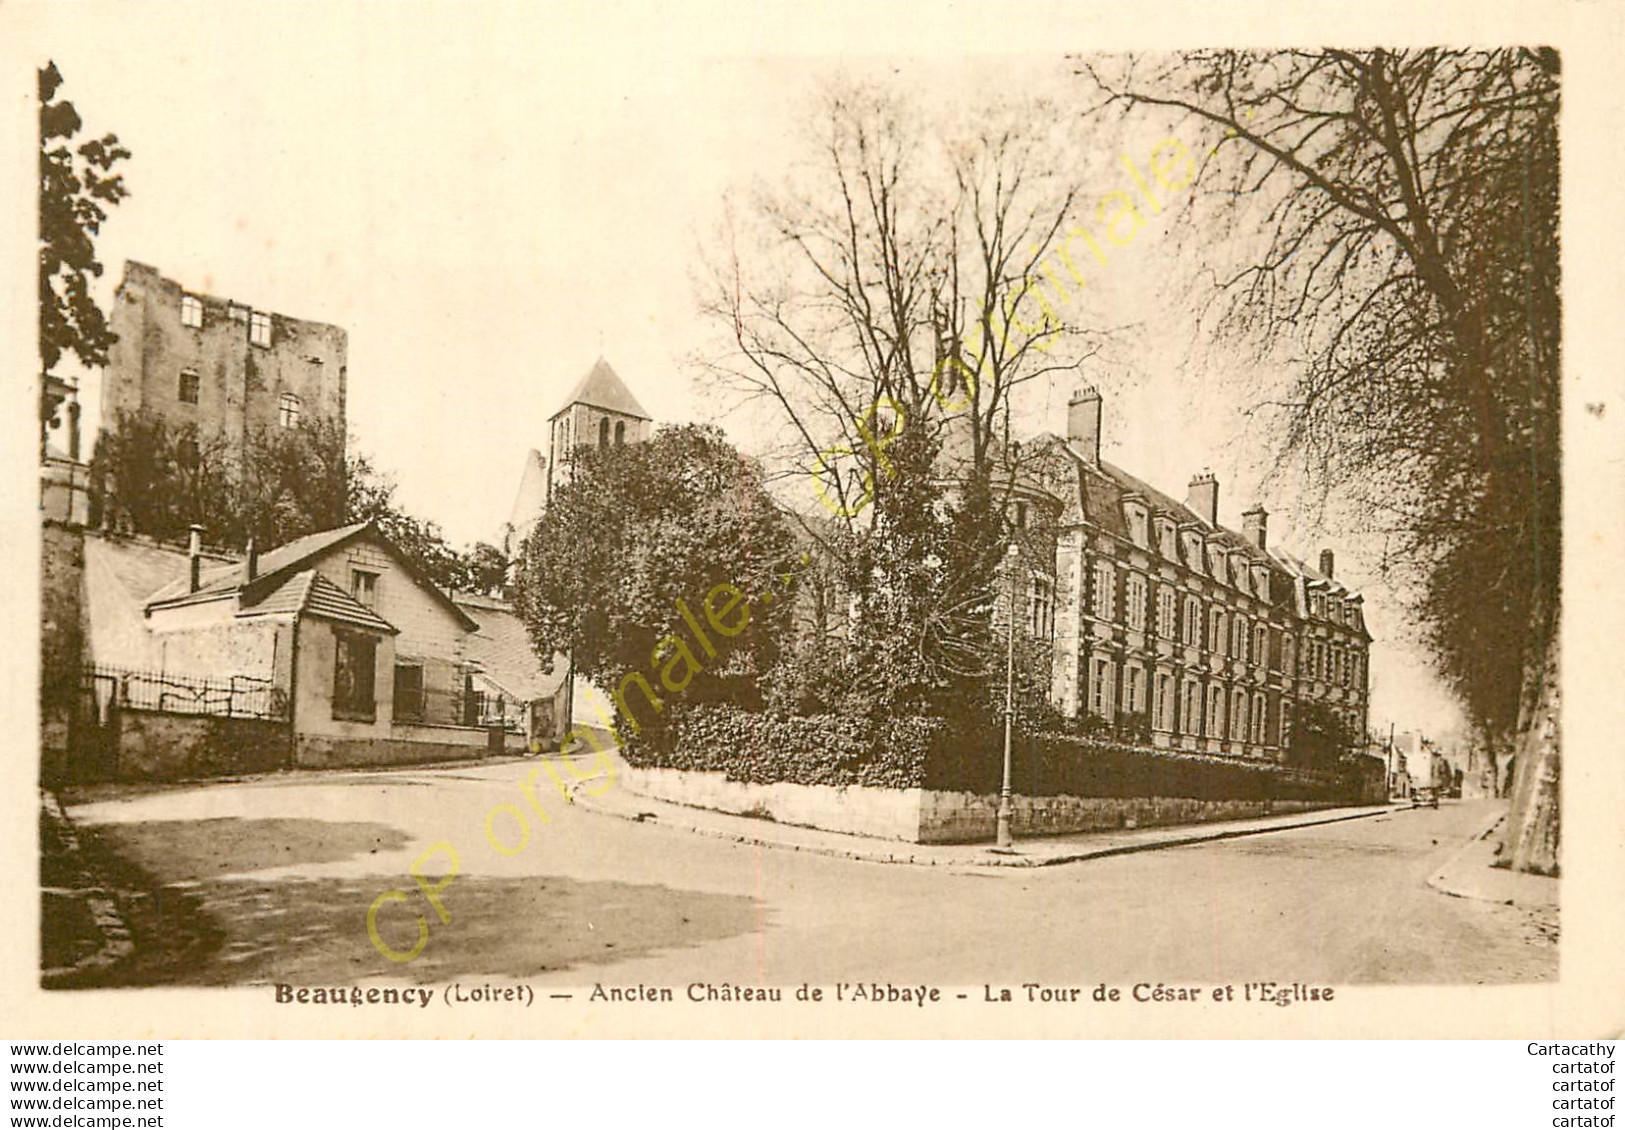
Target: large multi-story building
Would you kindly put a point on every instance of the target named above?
(221, 366)
(1168, 626)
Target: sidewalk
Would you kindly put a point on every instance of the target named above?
(1045, 851)
(1471, 874)
(82, 928)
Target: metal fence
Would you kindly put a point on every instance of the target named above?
(233, 696)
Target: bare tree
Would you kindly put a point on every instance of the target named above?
(881, 309)
(1394, 214)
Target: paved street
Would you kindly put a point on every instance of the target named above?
(271, 880)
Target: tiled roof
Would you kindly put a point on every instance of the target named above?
(227, 578)
(603, 388)
(277, 565)
(311, 594)
(503, 649)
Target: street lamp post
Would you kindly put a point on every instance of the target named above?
(1002, 835)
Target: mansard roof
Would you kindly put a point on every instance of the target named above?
(1103, 487)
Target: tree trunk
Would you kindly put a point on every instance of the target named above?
(1534, 825)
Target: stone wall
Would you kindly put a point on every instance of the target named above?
(950, 818)
(935, 817)
(62, 567)
(891, 814)
(154, 746)
(406, 745)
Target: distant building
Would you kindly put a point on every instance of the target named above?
(219, 365)
(600, 411)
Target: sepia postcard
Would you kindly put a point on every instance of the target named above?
(559, 520)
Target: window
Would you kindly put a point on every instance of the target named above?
(1191, 719)
(1193, 622)
(1166, 607)
(1238, 637)
(191, 311)
(1288, 654)
(288, 409)
(1105, 583)
(603, 432)
(1041, 608)
(1238, 716)
(409, 692)
(1134, 594)
(1259, 708)
(186, 452)
(1261, 645)
(1163, 710)
(1100, 688)
(1215, 630)
(1134, 689)
(354, 675)
(187, 391)
(237, 313)
(259, 328)
(1215, 712)
(364, 587)
(1286, 724)
(620, 433)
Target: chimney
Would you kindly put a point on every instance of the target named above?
(1204, 497)
(194, 556)
(1254, 523)
(1083, 422)
(1326, 563)
(253, 560)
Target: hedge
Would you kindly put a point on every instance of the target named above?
(927, 752)
(765, 748)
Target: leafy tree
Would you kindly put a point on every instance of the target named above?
(77, 186)
(151, 477)
(637, 534)
(1395, 220)
(483, 569)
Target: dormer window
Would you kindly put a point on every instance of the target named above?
(1261, 582)
(1193, 551)
(259, 329)
(1134, 509)
(191, 311)
(1165, 539)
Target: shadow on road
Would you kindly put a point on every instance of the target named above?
(198, 917)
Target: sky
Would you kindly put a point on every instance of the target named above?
(488, 205)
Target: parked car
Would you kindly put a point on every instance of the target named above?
(1426, 795)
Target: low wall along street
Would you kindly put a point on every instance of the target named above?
(160, 746)
(932, 816)
(889, 814)
(941, 786)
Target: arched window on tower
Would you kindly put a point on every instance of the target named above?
(620, 433)
(603, 432)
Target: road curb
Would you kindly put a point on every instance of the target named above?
(876, 855)
(1440, 880)
(117, 943)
